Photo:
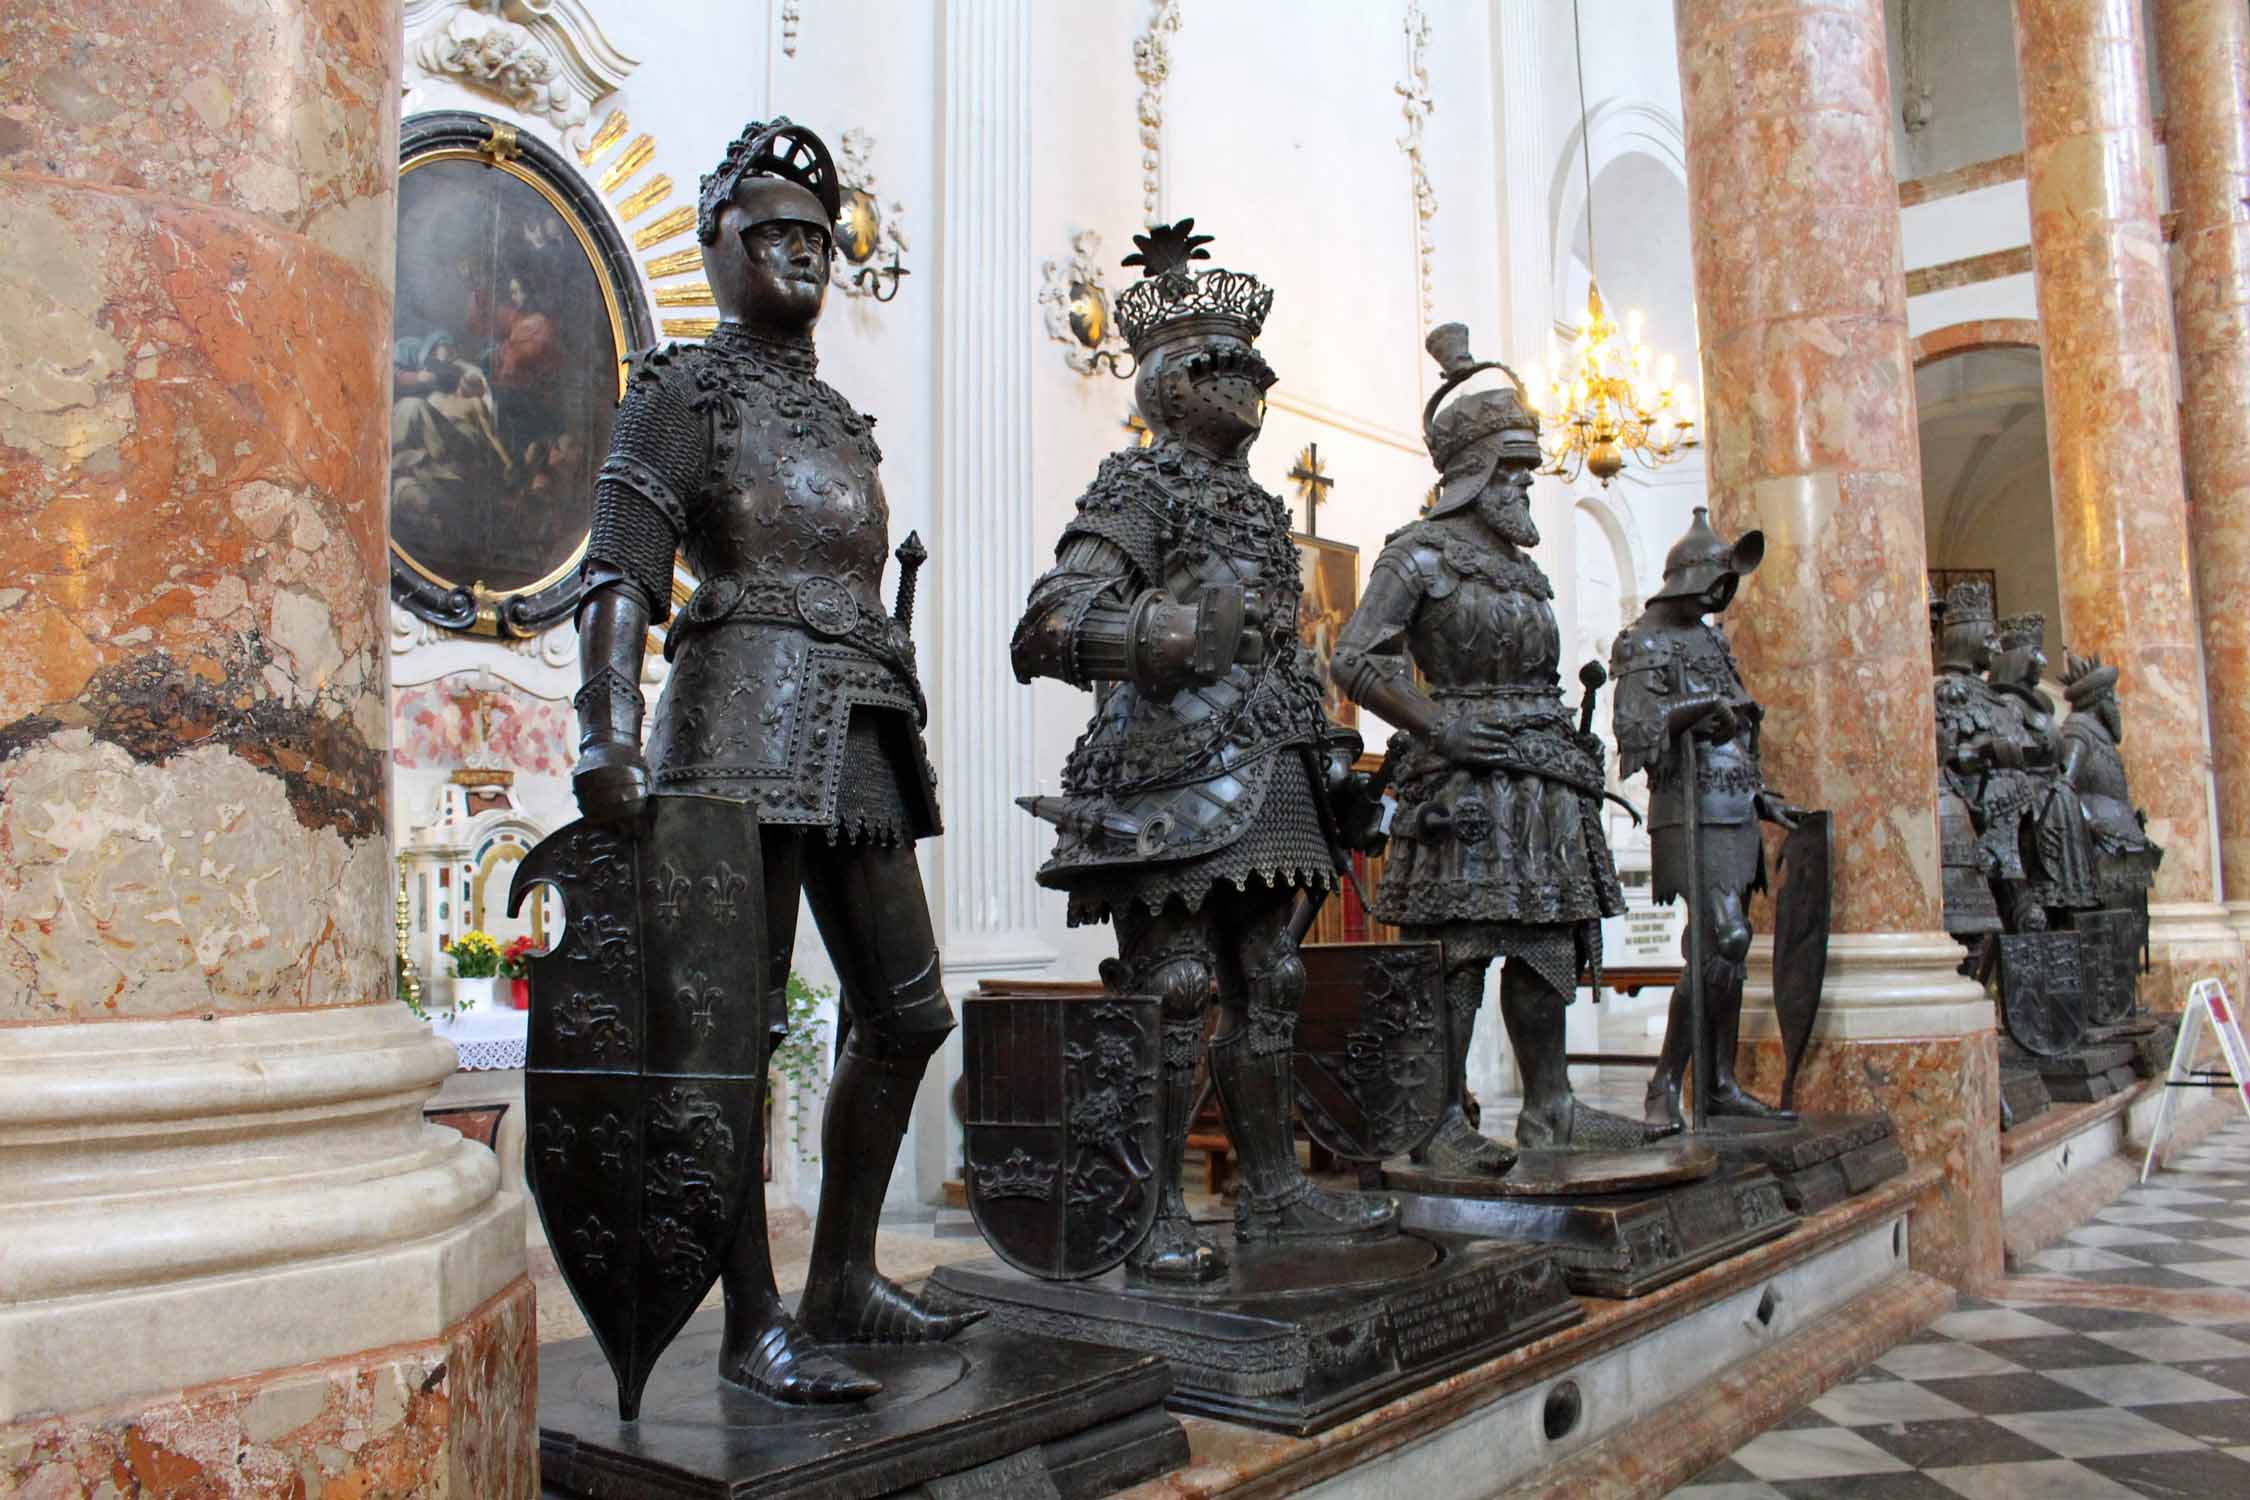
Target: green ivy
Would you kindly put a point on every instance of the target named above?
(802, 1056)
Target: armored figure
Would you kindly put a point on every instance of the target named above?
(1675, 675)
(2058, 851)
(1981, 737)
(1208, 794)
(2125, 858)
(1497, 848)
(793, 692)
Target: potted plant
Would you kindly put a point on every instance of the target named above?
(476, 969)
(515, 967)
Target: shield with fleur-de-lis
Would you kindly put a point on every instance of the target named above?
(647, 1052)
(1371, 1047)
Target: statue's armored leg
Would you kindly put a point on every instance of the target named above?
(763, 1347)
(1169, 956)
(1729, 950)
(1457, 1147)
(1553, 1118)
(1252, 1062)
(875, 921)
(1661, 1105)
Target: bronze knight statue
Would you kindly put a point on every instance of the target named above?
(2058, 850)
(792, 693)
(2125, 858)
(1208, 796)
(1981, 739)
(1675, 675)
(1497, 849)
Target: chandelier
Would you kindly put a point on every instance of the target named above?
(1604, 406)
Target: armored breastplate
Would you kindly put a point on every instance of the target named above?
(1487, 630)
(1235, 533)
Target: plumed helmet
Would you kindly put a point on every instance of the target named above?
(782, 171)
(1702, 558)
(1471, 438)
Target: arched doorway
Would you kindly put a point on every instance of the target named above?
(1987, 499)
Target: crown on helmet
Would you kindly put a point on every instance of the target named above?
(1171, 301)
(1968, 603)
(2086, 681)
(2027, 630)
(784, 151)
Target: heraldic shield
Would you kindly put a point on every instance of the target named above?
(647, 1053)
(2042, 990)
(2113, 961)
(1371, 1047)
(1061, 1126)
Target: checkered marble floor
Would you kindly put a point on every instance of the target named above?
(2119, 1367)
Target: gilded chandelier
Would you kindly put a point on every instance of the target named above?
(1606, 407)
(1603, 407)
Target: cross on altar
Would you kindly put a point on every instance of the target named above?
(1312, 486)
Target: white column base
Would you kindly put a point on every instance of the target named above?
(189, 1200)
(1880, 986)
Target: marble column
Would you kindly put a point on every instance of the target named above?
(2113, 442)
(983, 552)
(1810, 434)
(2203, 55)
(236, 1258)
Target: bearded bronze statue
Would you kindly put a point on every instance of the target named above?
(2058, 848)
(1497, 849)
(792, 693)
(2125, 857)
(1207, 798)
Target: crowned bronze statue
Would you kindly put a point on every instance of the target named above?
(1981, 740)
(1208, 796)
(1681, 714)
(788, 732)
(1497, 849)
(2058, 849)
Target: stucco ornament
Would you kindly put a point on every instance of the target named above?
(544, 58)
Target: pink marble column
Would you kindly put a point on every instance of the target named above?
(2203, 52)
(1811, 436)
(197, 201)
(2113, 439)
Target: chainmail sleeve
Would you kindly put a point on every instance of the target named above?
(659, 451)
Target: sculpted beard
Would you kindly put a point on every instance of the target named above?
(1507, 510)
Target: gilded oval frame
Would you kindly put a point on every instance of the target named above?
(466, 604)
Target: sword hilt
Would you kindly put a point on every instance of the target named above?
(1590, 677)
(911, 554)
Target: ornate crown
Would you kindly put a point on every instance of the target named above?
(2019, 631)
(2086, 680)
(1020, 1176)
(1171, 300)
(1968, 603)
(780, 149)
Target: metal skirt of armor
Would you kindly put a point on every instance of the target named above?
(1513, 848)
(1284, 848)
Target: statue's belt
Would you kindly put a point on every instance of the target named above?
(824, 606)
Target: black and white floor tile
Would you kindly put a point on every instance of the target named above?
(2117, 1366)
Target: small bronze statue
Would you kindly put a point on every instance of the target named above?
(793, 694)
(1208, 796)
(1497, 848)
(1676, 677)
(2125, 858)
(2058, 850)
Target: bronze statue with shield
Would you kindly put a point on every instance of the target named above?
(1205, 811)
(792, 713)
(1684, 718)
